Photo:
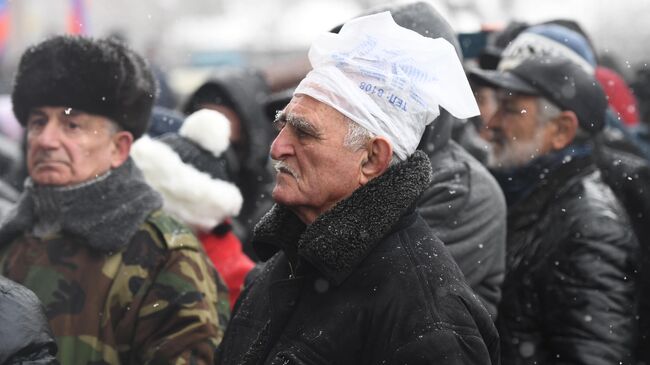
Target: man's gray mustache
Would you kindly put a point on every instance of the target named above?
(281, 166)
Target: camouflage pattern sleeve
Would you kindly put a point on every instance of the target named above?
(159, 300)
(183, 315)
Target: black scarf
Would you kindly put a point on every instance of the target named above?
(517, 183)
(104, 212)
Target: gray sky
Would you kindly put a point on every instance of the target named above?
(174, 30)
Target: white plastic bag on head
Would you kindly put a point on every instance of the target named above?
(388, 79)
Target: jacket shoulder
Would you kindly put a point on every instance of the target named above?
(439, 301)
(590, 198)
(174, 234)
(460, 189)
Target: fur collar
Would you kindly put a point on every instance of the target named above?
(105, 212)
(340, 239)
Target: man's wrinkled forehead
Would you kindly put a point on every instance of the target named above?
(306, 109)
(61, 110)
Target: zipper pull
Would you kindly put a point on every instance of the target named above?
(291, 273)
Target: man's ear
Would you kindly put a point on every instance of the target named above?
(122, 142)
(379, 155)
(566, 127)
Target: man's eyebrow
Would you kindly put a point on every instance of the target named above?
(298, 123)
(280, 119)
(279, 116)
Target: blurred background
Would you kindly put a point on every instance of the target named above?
(187, 38)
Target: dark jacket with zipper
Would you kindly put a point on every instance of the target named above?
(366, 283)
(569, 291)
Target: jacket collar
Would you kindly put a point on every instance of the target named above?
(552, 186)
(337, 241)
(105, 212)
(519, 182)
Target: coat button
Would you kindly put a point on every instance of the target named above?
(321, 285)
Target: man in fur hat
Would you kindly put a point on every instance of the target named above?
(121, 282)
(354, 274)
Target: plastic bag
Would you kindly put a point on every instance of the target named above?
(388, 79)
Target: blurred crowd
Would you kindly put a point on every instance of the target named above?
(541, 199)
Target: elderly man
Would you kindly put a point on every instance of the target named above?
(355, 275)
(121, 282)
(569, 292)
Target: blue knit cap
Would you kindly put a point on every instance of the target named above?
(568, 37)
(549, 40)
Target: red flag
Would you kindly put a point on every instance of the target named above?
(77, 18)
(4, 25)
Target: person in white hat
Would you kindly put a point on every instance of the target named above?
(354, 274)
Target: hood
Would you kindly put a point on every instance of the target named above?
(245, 91)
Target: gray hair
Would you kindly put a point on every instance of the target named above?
(548, 111)
(114, 127)
(357, 137)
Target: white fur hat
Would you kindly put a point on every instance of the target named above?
(189, 170)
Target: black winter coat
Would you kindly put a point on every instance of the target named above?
(25, 336)
(569, 291)
(629, 177)
(366, 283)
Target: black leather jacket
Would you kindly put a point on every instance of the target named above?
(569, 291)
(629, 177)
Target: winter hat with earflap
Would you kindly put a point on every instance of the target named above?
(388, 79)
(97, 76)
(189, 171)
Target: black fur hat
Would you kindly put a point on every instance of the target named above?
(97, 76)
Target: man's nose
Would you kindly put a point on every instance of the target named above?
(495, 120)
(282, 146)
(49, 136)
(493, 125)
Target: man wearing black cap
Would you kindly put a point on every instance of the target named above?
(568, 295)
(121, 282)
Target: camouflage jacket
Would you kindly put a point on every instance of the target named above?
(155, 301)
(121, 282)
